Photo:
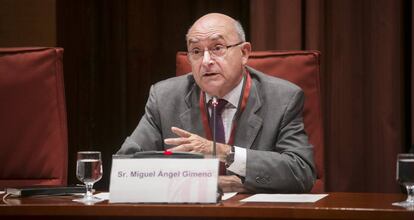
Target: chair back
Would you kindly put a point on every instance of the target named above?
(302, 69)
(33, 140)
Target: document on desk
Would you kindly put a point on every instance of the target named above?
(284, 198)
(103, 195)
(228, 195)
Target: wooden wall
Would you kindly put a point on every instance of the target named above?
(27, 23)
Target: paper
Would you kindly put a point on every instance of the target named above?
(103, 195)
(284, 198)
(228, 195)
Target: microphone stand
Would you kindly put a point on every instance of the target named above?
(214, 111)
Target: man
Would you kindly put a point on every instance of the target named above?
(264, 146)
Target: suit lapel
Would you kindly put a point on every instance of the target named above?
(191, 117)
(250, 123)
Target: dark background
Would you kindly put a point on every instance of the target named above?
(115, 50)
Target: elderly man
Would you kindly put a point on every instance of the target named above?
(260, 128)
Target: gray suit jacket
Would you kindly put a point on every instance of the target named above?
(279, 157)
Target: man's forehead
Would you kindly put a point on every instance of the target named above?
(213, 37)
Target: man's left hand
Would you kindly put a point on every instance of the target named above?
(189, 142)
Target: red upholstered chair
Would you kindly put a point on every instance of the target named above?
(301, 68)
(33, 140)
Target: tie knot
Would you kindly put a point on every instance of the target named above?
(221, 103)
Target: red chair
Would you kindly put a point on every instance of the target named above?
(301, 68)
(33, 140)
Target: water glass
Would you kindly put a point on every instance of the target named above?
(405, 177)
(89, 171)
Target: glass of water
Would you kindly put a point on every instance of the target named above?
(89, 171)
(405, 177)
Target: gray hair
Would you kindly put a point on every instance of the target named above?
(240, 31)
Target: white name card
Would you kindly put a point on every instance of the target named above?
(150, 180)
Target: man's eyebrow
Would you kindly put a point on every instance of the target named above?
(193, 40)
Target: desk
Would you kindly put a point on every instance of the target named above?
(334, 206)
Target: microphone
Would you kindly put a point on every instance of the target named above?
(214, 111)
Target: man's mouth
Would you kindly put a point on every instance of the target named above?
(207, 74)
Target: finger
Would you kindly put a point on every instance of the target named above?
(176, 141)
(181, 148)
(180, 132)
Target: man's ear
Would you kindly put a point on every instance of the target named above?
(246, 49)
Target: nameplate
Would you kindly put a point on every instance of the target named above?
(162, 180)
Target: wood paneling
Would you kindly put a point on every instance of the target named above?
(365, 48)
(27, 23)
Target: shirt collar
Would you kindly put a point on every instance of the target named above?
(233, 96)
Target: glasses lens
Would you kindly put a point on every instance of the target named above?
(218, 50)
(194, 54)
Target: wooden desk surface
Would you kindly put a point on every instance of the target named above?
(334, 206)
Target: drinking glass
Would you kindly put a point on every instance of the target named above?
(89, 171)
(405, 177)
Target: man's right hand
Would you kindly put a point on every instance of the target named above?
(231, 183)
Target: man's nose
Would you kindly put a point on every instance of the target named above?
(207, 58)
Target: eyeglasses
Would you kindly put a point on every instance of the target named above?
(216, 51)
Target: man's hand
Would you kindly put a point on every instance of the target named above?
(231, 183)
(189, 142)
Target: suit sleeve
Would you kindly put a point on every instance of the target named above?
(147, 135)
(290, 167)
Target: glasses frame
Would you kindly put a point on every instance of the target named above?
(202, 52)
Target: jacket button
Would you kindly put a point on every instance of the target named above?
(259, 180)
(263, 180)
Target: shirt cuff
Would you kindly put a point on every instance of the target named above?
(239, 165)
